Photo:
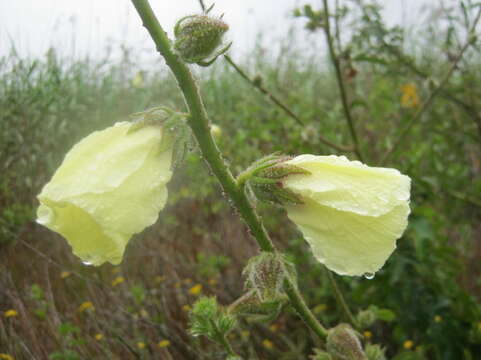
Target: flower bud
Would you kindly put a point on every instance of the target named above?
(343, 343)
(375, 352)
(197, 38)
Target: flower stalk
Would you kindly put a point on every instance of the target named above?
(199, 123)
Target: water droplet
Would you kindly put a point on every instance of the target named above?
(88, 263)
(369, 275)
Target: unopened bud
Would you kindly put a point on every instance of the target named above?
(343, 343)
(375, 352)
(197, 37)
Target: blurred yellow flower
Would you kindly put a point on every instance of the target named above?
(215, 131)
(438, 319)
(141, 345)
(99, 336)
(267, 344)
(409, 96)
(352, 214)
(138, 80)
(110, 186)
(87, 305)
(274, 327)
(10, 313)
(118, 280)
(6, 357)
(319, 308)
(186, 308)
(163, 343)
(196, 289)
(65, 274)
(367, 334)
(408, 344)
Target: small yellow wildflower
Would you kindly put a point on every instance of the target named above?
(409, 96)
(408, 344)
(6, 357)
(274, 327)
(367, 334)
(118, 280)
(319, 308)
(163, 343)
(87, 305)
(138, 80)
(99, 336)
(245, 333)
(141, 345)
(186, 308)
(438, 319)
(65, 274)
(196, 289)
(10, 313)
(213, 282)
(159, 278)
(267, 344)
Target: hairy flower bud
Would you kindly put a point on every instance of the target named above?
(197, 37)
(343, 343)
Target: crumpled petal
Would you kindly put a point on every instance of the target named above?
(111, 185)
(352, 213)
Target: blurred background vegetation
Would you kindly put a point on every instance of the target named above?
(427, 296)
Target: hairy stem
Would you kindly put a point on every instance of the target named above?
(340, 81)
(340, 299)
(199, 123)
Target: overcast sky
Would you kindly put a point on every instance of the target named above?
(80, 27)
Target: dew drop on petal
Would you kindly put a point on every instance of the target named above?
(369, 275)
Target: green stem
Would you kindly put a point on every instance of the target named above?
(199, 123)
(340, 299)
(228, 347)
(340, 81)
(280, 104)
(431, 96)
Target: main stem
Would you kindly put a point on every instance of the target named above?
(199, 123)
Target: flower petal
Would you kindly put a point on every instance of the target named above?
(346, 242)
(349, 185)
(111, 185)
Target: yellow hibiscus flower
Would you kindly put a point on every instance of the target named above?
(111, 185)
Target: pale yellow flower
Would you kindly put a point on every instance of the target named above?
(163, 343)
(6, 357)
(87, 305)
(186, 308)
(408, 344)
(409, 96)
(10, 313)
(141, 345)
(111, 185)
(367, 334)
(99, 336)
(438, 318)
(196, 289)
(352, 214)
(118, 280)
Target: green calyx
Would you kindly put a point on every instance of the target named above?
(198, 38)
(174, 124)
(265, 178)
